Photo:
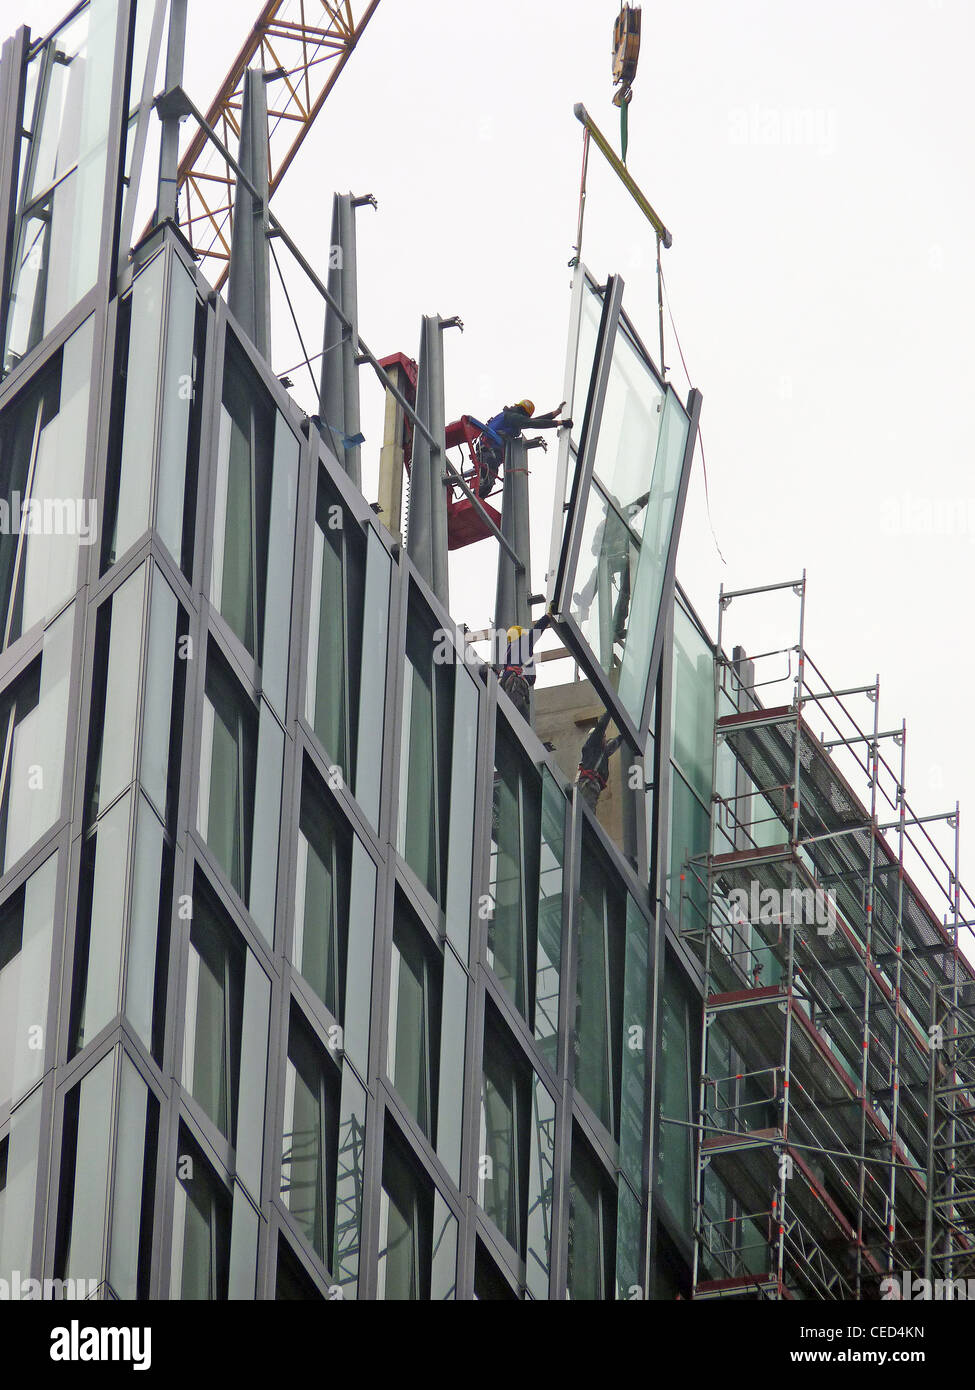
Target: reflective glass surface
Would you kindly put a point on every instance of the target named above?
(26, 929)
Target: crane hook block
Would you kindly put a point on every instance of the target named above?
(626, 46)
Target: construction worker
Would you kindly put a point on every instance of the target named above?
(594, 764)
(517, 675)
(509, 424)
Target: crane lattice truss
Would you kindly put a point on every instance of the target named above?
(305, 44)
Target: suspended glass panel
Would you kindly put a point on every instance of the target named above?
(693, 704)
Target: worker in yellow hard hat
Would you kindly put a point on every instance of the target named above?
(509, 424)
(517, 675)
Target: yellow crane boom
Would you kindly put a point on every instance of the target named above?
(305, 44)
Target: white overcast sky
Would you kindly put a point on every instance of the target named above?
(813, 162)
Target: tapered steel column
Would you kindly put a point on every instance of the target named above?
(249, 293)
(514, 585)
(339, 393)
(426, 537)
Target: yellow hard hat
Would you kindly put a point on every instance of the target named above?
(527, 406)
(515, 632)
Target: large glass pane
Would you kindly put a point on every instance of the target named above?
(463, 788)
(63, 206)
(180, 384)
(627, 520)
(358, 991)
(134, 1143)
(228, 769)
(541, 1186)
(349, 1184)
(281, 550)
(690, 829)
(160, 693)
(549, 956)
(599, 986)
(514, 871)
(245, 1230)
(424, 794)
(260, 895)
(674, 1155)
(101, 918)
(18, 1187)
(414, 1023)
(321, 905)
(201, 1230)
(149, 912)
(334, 564)
(303, 1182)
(142, 382)
(693, 703)
(500, 1183)
(91, 1170)
(255, 1033)
(33, 727)
(372, 685)
(243, 499)
(636, 1006)
(26, 929)
(45, 518)
(443, 1274)
(591, 1229)
(453, 1039)
(405, 1222)
(120, 725)
(214, 1004)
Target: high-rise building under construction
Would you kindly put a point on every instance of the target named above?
(336, 960)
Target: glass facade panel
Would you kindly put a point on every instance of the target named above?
(405, 1230)
(243, 501)
(33, 728)
(43, 435)
(161, 694)
(372, 687)
(690, 829)
(19, 1151)
(307, 1146)
(636, 1013)
(149, 914)
(453, 1040)
(349, 1180)
(674, 1156)
(548, 967)
(181, 378)
(201, 1230)
(120, 727)
(358, 990)
(541, 1187)
(424, 793)
(414, 1023)
(26, 930)
(86, 1236)
(228, 769)
(464, 787)
(136, 1136)
(281, 549)
(693, 707)
(321, 904)
(514, 873)
(443, 1273)
(599, 988)
(214, 1015)
(59, 233)
(102, 920)
(143, 370)
(502, 1146)
(255, 1028)
(267, 823)
(592, 1230)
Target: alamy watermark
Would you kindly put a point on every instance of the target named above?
(50, 516)
(769, 907)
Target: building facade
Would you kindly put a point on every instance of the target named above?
(318, 976)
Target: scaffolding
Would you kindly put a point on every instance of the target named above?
(835, 1147)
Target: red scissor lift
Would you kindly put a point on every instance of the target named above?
(464, 525)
